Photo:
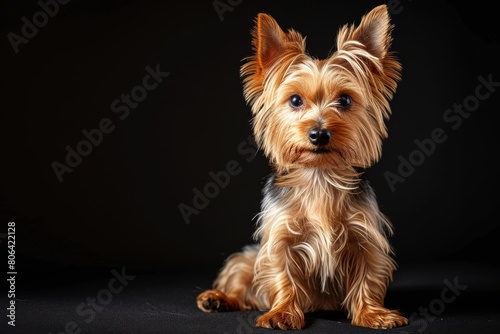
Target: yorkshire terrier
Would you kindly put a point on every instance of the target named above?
(323, 242)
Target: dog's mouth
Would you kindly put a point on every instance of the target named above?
(321, 150)
(324, 156)
(321, 156)
(314, 155)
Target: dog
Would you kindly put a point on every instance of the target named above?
(322, 240)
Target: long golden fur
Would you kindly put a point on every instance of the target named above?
(322, 238)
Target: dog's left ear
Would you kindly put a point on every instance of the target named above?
(270, 43)
(373, 32)
(271, 46)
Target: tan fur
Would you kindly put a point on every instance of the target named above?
(323, 240)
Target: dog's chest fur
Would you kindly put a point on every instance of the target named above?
(312, 218)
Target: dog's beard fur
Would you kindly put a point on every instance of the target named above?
(323, 239)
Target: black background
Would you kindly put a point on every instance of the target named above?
(120, 206)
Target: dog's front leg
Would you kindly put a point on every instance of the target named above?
(280, 278)
(366, 285)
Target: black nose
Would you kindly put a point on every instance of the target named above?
(319, 136)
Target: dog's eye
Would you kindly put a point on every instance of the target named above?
(344, 102)
(296, 101)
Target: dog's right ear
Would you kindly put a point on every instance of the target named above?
(270, 43)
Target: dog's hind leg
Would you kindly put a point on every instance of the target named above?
(233, 289)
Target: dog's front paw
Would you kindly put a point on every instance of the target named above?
(380, 318)
(213, 301)
(284, 319)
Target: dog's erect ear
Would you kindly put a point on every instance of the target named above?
(374, 32)
(364, 50)
(270, 42)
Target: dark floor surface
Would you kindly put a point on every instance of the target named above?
(448, 297)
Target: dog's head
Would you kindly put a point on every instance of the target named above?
(323, 113)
